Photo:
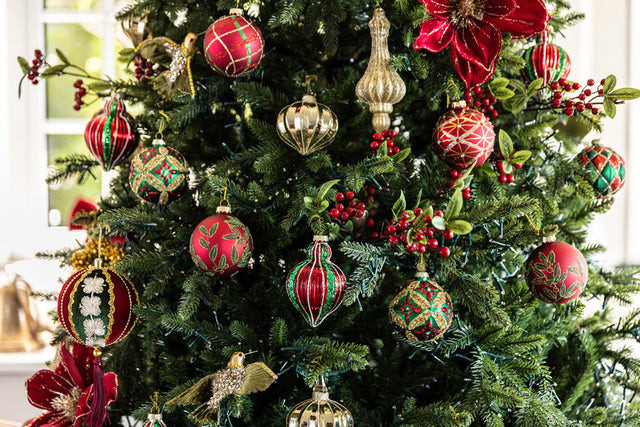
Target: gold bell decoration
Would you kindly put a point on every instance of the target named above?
(307, 125)
(319, 411)
(19, 325)
(380, 87)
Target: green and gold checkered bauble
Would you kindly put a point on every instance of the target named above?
(605, 169)
(421, 310)
(159, 174)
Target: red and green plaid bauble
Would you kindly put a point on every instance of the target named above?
(556, 272)
(316, 287)
(95, 306)
(463, 137)
(159, 174)
(221, 244)
(109, 135)
(421, 310)
(605, 169)
(547, 61)
(233, 45)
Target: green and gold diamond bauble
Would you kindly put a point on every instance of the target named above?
(421, 310)
(605, 169)
(159, 174)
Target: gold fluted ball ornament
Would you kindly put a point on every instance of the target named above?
(380, 87)
(307, 125)
(319, 411)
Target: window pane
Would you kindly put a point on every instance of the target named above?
(81, 43)
(63, 196)
(73, 4)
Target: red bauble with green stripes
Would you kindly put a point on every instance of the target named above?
(316, 287)
(221, 244)
(233, 45)
(109, 134)
(463, 137)
(95, 306)
(421, 310)
(547, 61)
(556, 272)
(605, 170)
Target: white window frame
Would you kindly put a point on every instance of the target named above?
(24, 127)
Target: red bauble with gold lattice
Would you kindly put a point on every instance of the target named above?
(556, 272)
(463, 137)
(95, 306)
(233, 45)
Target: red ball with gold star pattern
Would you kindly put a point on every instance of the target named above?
(556, 272)
(421, 310)
(463, 137)
(233, 45)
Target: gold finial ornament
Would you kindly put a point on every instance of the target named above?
(380, 87)
(319, 411)
(307, 126)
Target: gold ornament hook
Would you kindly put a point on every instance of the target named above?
(154, 402)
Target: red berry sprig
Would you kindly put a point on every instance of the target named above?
(37, 62)
(481, 101)
(579, 102)
(143, 68)
(348, 205)
(423, 237)
(386, 135)
(455, 174)
(80, 93)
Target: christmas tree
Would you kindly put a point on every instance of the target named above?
(421, 156)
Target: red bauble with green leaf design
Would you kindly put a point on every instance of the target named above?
(221, 244)
(421, 310)
(556, 272)
(605, 169)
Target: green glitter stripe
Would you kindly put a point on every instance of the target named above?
(106, 135)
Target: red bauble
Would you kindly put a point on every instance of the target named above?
(221, 244)
(316, 287)
(463, 137)
(547, 61)
(95, 306)
(556, 272)
(233, 45)
(109, 135)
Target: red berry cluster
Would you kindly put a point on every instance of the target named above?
(506, 178)
(80, 93)
(455, 174)
(578, 102)
(144, 68)
(354, 207)
(481, 101)
(388, 135)
(423, 237)
(37, 62)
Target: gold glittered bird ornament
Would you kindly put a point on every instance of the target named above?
(235, 378)
(176, 58)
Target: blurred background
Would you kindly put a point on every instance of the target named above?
(42, 126)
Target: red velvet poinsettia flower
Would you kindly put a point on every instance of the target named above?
(65, 394)
(474, 30)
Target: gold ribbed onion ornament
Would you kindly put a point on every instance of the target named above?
(319, 411)
(380, 87)
(307, 125)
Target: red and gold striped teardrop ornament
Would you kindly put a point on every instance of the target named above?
(233, 45)
(316, 287)
(109, 134)
(547, 61)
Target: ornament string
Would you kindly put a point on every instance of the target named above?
(225, 201)
(533, 224)
(154, 402)
(163, 124)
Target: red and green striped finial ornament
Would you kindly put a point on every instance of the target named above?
(155, 419)
(109, 134)
(546, 60)
(316, 287)
(421, 310)
(233, 45)
(605, 169)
